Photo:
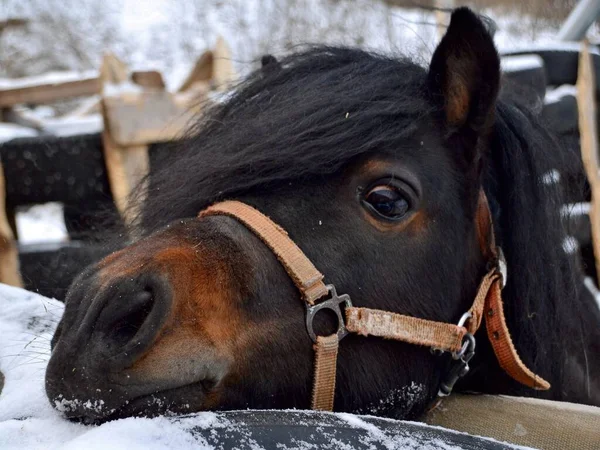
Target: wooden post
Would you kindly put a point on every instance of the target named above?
(442, 15)
(9, 255)
(223, 73)
(588, 132)
(36, 90)
(125, 166)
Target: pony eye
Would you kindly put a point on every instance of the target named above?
(387, 202)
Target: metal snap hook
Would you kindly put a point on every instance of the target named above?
(460, 368)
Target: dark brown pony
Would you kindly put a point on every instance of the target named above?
(373, 165)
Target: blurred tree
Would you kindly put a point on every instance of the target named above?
(60, 35)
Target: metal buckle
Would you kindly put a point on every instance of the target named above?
(460, 368)
(333, 304)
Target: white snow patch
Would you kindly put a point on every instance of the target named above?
(551, 177)
(552, 45)
(575, 209)
(41, 223)
(521, 62)
(117, 89)
(71, 126)
(556, 94)
(49, 78)
(570, 245)
(9, 131)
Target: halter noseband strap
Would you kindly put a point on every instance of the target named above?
(457, 339)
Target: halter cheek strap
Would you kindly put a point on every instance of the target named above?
(456, 339)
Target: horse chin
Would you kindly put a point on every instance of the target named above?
(174, 401)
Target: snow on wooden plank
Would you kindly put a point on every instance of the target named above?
(149, 117)
(47, 88)
(521, 62)
(9, 131)
(555, 95)
(550, 47)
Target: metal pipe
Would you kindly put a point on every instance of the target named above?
(580, 19)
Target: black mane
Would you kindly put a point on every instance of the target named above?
(325, 106)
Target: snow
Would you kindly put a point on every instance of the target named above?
(41, 223)
(47, 78)
(570, 245)
(71, 126)
(551, 177)
(556, 94)
(575, 209)
(521, 62)
(10, 131)
(116, 89)
(551, 45)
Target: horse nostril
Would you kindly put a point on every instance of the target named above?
(138, 309)
(123, 317)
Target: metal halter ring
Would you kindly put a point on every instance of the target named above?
(461, 323)
(332, 303)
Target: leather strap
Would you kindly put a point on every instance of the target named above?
(497, 329)
(303, 273)
(326, 351)
(375, 322)
(503, 346)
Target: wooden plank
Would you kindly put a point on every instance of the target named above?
(223, 74)
(150, 79)
(126, 164)
(126, 167)
(201, 73)
(49, 92)
(9, 256)
(140, 118)
(16, 116)
(588, 132)
(113, 70)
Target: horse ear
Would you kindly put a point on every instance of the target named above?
(464, 74)
(269, 64)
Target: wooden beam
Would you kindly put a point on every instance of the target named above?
(588, 132)
(9, 255)
(201, 73)
(12, 23)
(149, 79)
(113, 70)
(223, 74)
(126, 167)
(16, 116)
(140, 118)
(44, 92)
(126, 164)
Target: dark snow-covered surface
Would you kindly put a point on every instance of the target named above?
(27, 421)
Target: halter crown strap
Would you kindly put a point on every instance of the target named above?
(365, 321)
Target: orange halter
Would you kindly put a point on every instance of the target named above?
(456, 339)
